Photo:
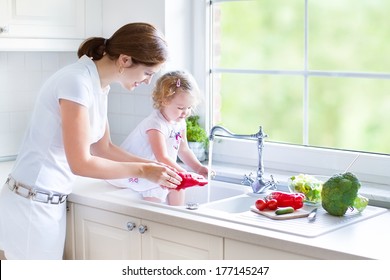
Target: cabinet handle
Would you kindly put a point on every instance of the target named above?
(131, 226)
(142, 229)
(3, 29)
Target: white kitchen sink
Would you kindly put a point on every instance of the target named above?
(235, 204)
(232, 202)
(214, 191)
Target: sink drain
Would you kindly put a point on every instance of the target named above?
(192, 205)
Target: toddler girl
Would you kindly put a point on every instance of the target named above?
(162, 135)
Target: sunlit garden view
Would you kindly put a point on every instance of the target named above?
(328, 88)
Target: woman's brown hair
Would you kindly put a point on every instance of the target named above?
(141, 41)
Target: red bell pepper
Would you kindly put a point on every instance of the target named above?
(286, 199)
(191, 180)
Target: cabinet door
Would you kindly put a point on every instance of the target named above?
(104, 235)
(44, 18)
(64, 20)
(165, 242)
(238, 250)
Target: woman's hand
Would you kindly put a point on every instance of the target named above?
(162, 174)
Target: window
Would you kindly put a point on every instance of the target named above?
(313, 73)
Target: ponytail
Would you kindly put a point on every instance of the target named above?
(93, 47)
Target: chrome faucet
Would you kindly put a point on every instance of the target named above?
(259, 185)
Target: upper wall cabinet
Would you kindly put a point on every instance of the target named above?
(48, 25)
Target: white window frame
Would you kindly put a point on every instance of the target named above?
(372, 169)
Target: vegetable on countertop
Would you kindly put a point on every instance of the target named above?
(286, 199)
(340, 192)
(309, 185)
(284, 210)
(272, 204)
(263, 204)
(360, 203)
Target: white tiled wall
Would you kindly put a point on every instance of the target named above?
(126, 109)
(21, 76)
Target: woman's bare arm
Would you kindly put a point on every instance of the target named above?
(83, 158)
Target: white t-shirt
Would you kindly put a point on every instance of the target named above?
(41, 161)
(137, 143)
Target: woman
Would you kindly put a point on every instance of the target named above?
(69, 135)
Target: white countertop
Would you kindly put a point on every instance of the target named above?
(367, 239)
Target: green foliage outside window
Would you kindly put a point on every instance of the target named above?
(348, 107)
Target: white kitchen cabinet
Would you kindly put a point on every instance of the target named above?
(239, 250)
(101, 234)
(48, 24)
(166, 242)
(105, 235)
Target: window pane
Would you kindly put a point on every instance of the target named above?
(349, 35)
(265, 34)
(245, 101)
(350, 114)
(347, 105)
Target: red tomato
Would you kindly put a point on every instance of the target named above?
(261, 204)
(272, 204)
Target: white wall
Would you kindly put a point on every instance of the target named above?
(175, 19)
(21, 76)
(22, 73)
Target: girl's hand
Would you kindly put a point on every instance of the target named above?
(204, 171)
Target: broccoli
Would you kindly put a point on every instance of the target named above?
(339, 193)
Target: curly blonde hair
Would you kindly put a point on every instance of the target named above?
(172, 83)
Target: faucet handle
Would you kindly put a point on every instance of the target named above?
(248, 180)
(273, 183)
(260, 185)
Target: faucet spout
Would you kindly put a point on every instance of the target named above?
(258, 185)
(227, 133)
